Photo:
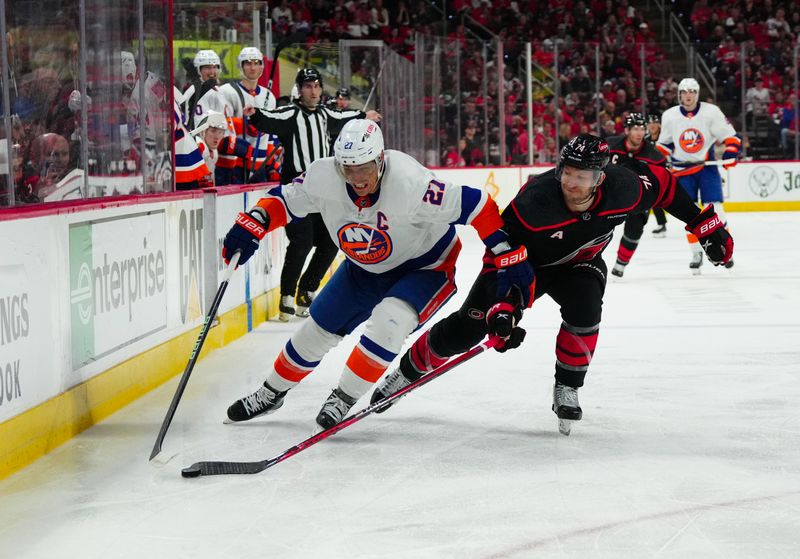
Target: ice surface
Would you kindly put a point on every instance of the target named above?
(689, 446)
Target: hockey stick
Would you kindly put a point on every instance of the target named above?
(377, 79)
(198, 345)
(226, 468)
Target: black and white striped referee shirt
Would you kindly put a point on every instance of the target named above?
(305, 135)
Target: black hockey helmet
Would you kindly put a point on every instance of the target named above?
(307, 75)
(655, 116)
(584, 151)
(634, 119)
(343, 93)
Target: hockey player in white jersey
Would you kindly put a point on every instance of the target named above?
(190, 167)
(688, 134)
(243, 93)
(395, 223)
(204, 96)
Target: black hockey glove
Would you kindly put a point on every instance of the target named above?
(245, 235)
(502, 320)
(710, 231)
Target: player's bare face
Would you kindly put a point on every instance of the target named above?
(363, 178)
(252, 69)
(688, 99)
(635, 136)
(654, 129)
(310, 94)
(213, 137)
(578, 186)
(208, 72)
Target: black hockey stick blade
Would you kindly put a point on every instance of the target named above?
(227, 468)
(198, 345)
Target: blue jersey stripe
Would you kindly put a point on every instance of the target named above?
(277, 192)
(431, 256)
(470, 198)
(188, 159)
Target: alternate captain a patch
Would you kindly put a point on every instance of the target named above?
(364, 244)
(691, 140)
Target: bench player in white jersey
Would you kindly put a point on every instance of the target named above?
(688, 134)
(190, 167)
(395, 223)
(243, 93)
(203, 96)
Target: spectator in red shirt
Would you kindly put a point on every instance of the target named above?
(772, 80)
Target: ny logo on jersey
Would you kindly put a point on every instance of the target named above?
(557, 235)
(691, 140)
(365, 244)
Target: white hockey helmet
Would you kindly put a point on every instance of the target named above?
(213, 119)
(249, 53)
(359, 142)
(689, 84)
(206, 58)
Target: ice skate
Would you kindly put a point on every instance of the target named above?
(265, 400)
(618, 270)
(566, 407)
(286, 308)
(391, 383)
(697, 261)
(660, 232)
(304, 299)
(334, 409)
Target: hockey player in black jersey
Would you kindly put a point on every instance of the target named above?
(653, 131)
(565, 217)
(631, 150)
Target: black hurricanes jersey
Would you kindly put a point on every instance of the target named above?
(621, 155)
(539, 218)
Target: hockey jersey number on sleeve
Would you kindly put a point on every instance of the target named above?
(434, 193)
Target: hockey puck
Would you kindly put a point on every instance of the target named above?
(191, 471)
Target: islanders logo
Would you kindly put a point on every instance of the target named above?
(364, 244)
(691, 140)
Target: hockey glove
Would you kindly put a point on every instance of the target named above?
(502, 320)
(730, 159)
(245, 235)
(513, 270)
(710, 231)
(732, 148)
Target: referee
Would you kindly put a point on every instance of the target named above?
(304, 128)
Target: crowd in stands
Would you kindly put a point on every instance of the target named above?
(576, 37)
(751, 45)
(76, 128)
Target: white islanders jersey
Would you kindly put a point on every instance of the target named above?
(409, 224)
(210, 101)
(688, 137)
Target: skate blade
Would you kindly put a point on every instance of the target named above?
(565, 426)
(302, 314)
(696, 271)
(283, 317)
